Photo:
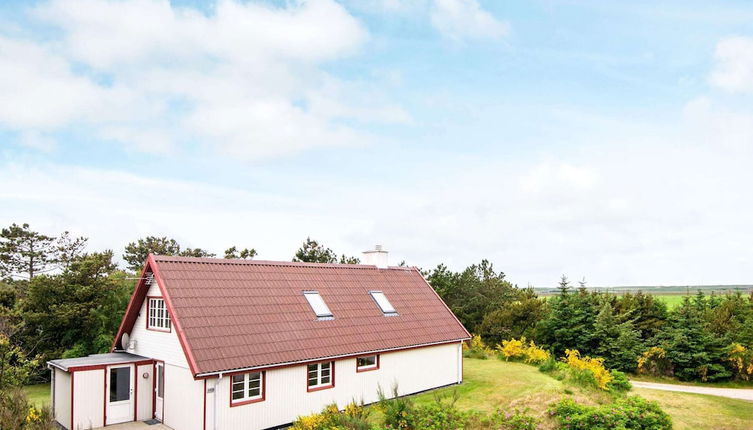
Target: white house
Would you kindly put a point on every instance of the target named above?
(235, 344)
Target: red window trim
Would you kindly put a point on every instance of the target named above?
(246, 402)
(321, 387)
(163, 330)
(370, 368)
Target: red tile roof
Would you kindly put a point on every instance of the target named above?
(237, 314)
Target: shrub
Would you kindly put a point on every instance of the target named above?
(625, 413)
(518, 420)
(588, 370)
(619, 382)
(399, 412)
(353, 417)
(654, 362)
(518, 350)
(741, 359)
(16, 413)
(441, 415)
(476, 349)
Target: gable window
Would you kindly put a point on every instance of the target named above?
(247, 388)
(158, 318)
(383, 303)
(321, 376)
(369, 362)
(317, 304)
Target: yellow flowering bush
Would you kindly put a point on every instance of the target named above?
(593, 366)
(476, 349)
(517, 349)
(742, 360)
(354, 416)
(654, 361)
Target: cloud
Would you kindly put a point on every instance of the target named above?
(242, 80)
(466, 20)
(718, 127)
(733, 70)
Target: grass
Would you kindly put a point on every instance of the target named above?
(668, 380)
(672, 300)
(494, 384)
(38, 394)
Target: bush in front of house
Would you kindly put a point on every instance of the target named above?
(16, 413)
(630, 413)
(354, 417)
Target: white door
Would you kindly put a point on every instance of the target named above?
(119, 392)
(159, 391)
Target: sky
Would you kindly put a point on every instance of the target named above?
(605, 140)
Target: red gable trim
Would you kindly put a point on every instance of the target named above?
(134, 306)
(173, 317)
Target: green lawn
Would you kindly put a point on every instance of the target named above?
(38, 394)
(494, 384)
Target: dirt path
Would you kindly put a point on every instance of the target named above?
(733, 393)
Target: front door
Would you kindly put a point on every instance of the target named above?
(159, 391)
(119, 392)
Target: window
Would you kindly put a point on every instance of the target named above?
(247, 388)
(158, 319)
(370, 362)
(321, 376)
(383, 303)
(317, 304)
(120, 384)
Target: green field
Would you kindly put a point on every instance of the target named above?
(494, 384)
(672, 300)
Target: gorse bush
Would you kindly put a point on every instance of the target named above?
(741, 359)
(398, 412)
(16, 413)
(476, 349)
(588, 369)
(353, 417)
(654, 362)
(631, 413)
(518, 350)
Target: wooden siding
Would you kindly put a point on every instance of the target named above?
(88, 391)
(62, 397)
(145, 391)
(286, 395)
(159, 345)
(184, 397)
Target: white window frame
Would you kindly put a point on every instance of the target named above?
(158, 317)
(245, 388)
(388, 312)
(318, 305)
(317, 372)
(374, 366)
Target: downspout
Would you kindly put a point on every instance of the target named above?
(216, 401)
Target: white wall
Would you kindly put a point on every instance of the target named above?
(286, 395)
(184, 399)
(89, 400)
(156, 344)
(62, 386)
(145, 391)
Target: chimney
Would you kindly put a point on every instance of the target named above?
(376, 257)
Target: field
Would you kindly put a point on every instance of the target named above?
(38, 394)
(494, 384)
(672, 300)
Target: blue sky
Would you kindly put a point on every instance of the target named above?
(605, 140)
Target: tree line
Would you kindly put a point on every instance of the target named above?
(58, 299)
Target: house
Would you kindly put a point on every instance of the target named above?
(234, 344)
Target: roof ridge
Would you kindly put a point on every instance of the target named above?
(240, 262)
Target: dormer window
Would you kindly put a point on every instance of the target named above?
(383, 303)
(158, 318)
(317, 305)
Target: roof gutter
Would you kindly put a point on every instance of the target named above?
(330, 357)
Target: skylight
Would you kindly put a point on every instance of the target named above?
(383, 303)
(317, 304)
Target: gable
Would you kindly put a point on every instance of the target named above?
(235, 314)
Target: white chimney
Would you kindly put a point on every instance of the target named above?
(376, 257)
